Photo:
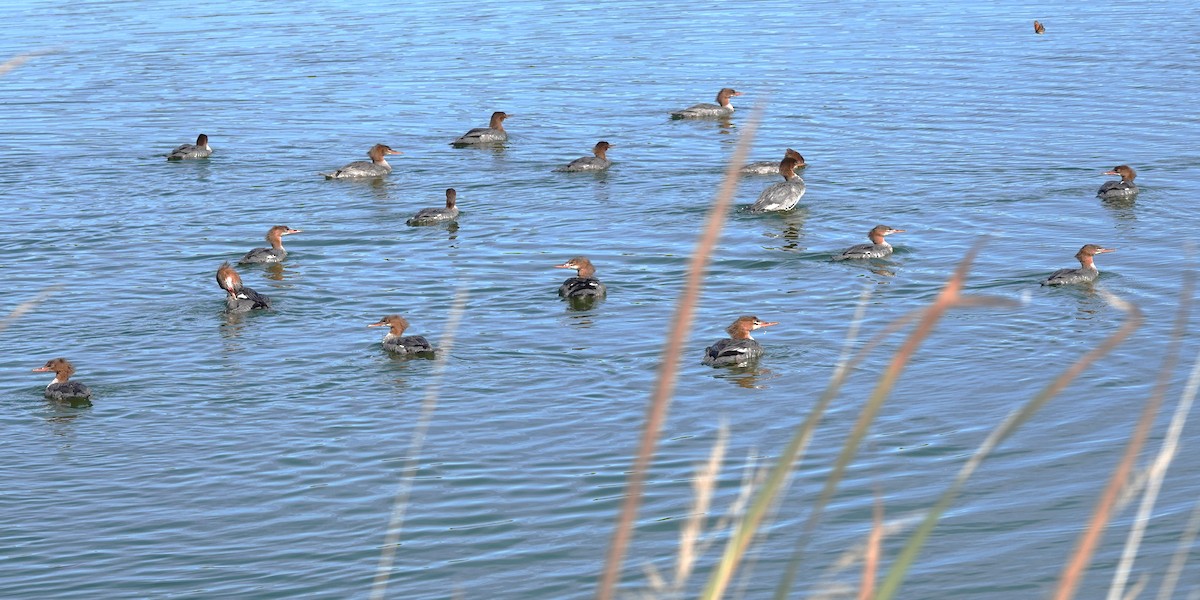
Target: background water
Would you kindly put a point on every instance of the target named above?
(258, 456)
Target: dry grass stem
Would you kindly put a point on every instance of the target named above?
(1158, 469)
(1072, 574)
(903, 562)
(871, 560)
(387, 554)
(680, 325)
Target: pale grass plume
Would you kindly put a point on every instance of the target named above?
(387, 553)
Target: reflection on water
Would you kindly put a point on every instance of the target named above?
(583, 303)
(790, 233)
(748, 376)
(1121, 208)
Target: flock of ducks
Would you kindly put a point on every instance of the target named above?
(739, 349)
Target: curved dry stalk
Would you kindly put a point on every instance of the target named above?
(899, 569)
(387, 554)
(1158, 470)
(660, 399)
(21, 59)
(1072, 573)
(27, 306)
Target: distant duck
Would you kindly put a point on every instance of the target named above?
(771, 167)
(739, 348)
(723, 107)
(584, 284)
(200, 149)
(1038, 28)
(1087, 271)
(434, 216)
(1116, 190)
(60, 389)
(494, 133)
(239, 298)
(276, 252)
(878, 248)
(598, 162)
(784, 195)
(377, 167)
(396, 341)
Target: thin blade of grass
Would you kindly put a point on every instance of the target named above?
(903, 563)
(1072, 574)
(387, 554)
(1175, 569)
(1158, 470)
(664, 387)
(26, 306)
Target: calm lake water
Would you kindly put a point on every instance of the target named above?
(258, 456)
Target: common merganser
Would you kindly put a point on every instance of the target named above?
(1086, 273)
(399, 343)
(599, 162)
(377, 167)
(783, 195)
(878, 248)
(739, 349)
(585, 284)
(771, 167)
(494, 133)
(723, 108)
(200, 149)
(275, 253)
(60, 389)
(1115, 190)
(1038, 28)
(240, 298)
(433, 216)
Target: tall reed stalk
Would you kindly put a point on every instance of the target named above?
(664, 387)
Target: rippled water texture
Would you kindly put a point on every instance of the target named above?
(258, 456)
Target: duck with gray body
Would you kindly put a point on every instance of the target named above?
(377, 167)
(784, 195)
(584, 284)
(723, 107)
(494, 133)
(771, 167)
(61, 389)
(1118, 190)
(434, 216)
(396, 341)
(598, 162)
(200, 149)
(239, 298)
(739, 349)
(276, 253)
(1087, 271)
(878, 248)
